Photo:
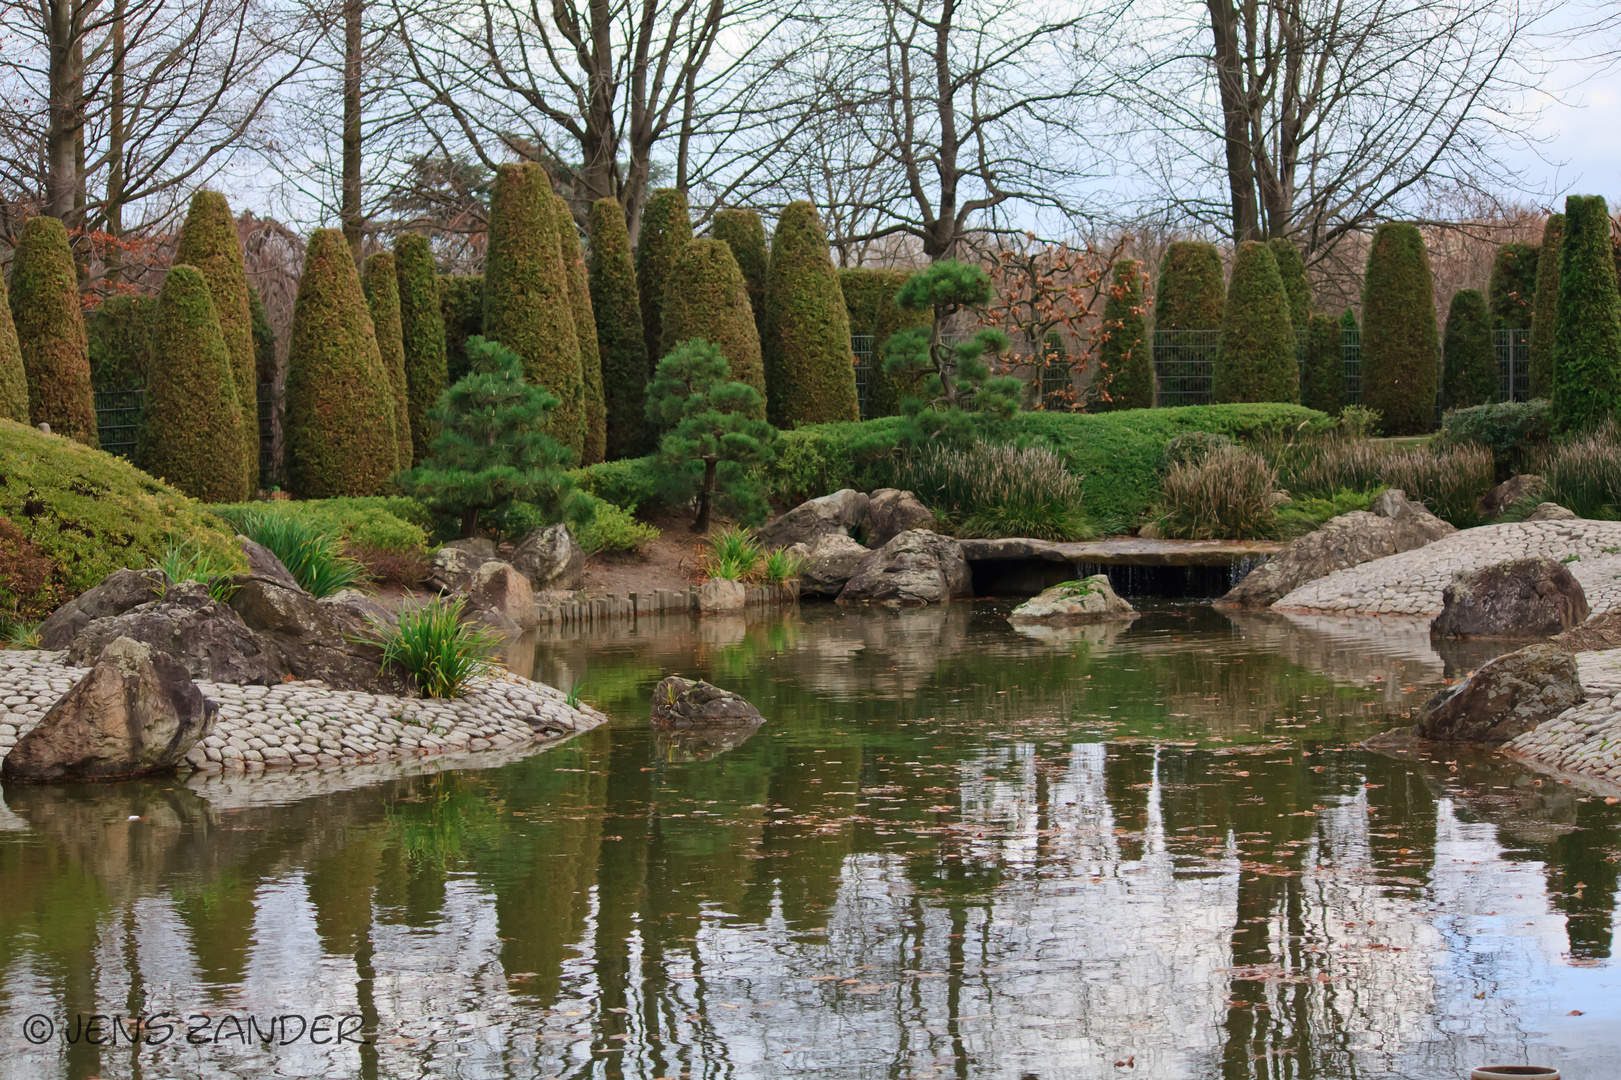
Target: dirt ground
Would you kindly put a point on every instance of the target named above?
(670, 562)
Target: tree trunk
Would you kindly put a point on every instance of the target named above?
(470, 522)
(706, 494)
(66, 87)
(350, 210)
(1229, 64)
(114, 205)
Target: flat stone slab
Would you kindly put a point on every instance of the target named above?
(1122, 551)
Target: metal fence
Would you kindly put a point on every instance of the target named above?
(1513, 364)
(861, 345)
(118, 419)
(1185, 365)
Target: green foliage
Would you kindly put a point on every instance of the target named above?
(264, 342)
(585, 329)
(1255, 360)
(381, 285)
(422, 336)
(1545, 312)
(1126, 375)
(1190, 293)
(621, 342)
(440, 652)
(1322, 378)
(1192, 447)
(781, 566)
(1514, 431)
(629, 482)
(311, 553)
(1400, 348)
(613, 528)
(712, 441)
(1582, 474)
(1587, 335)
(869, 298)
(92, 513)
(461, 309)
(707, 298)
(1297, 517)
(1229, 495)
(379, 523)
(1470, 369)
(191, 433)
(809, 369)
(184, 562)
(1292, 269)
(339, 421)
(1513, 288)
(665, 232)
(998, 491)
(13, 379)
(1348, 320)
(1450, 481)
(733, 555)
(745, 235)
(1359, 422)
(50, 331)
(120, 332)
(492, 448)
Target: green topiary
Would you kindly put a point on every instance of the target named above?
(422, 331)
(461, 306)
(585, 326)
(191, 434)
(340, 400)
(707, 298)
(13, 380)
(1469, 371)
(745, 233)
(209, 242)
(666, 230)
(1255, 360)
(869, 297)
(1400, 346)
(1513, 286)
(1126, 366)
(380, 283)
(1545, 312)
(120, 332)
(1587, 335)
(50, 331)
(809, 369)
(620, 340)
(1348, 320)
(526, 297)
(1190, 293)
(264, 339)
(1292, 269)
(1322, 376)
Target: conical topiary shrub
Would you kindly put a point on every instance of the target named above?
(745, 233)
(621, 342)
(666, 229)
(706, 298)
(339, 425)
(50, 331)
(381, 285)
(585, 323)
(120, 332)
(1126, 375)
(1513, 290)
(1545, 312)
(1292, 269)
(1469, 360)
(422, 332)
(13, 380)
(209, 242)
(1322, 376)
(869, 298)
(809, 369)
(1255, 360)
(1401, 350)
(526, 298)
(1587, 335)
(191, 433)
(1190, 293)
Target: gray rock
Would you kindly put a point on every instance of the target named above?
(1551, 512)
(551, 559)
(1504, 495)
(1091, 599)
(1505, 698)
(915, 568)
(118, 592)
(1597, 634)
(1520, 598)
(451, 569)
(481, 548)
(828, 562)
(263, 564)
(136, 712)
(678, 703)
(367, 607)
(316, 640)
(891, 512)
(836, 513)
(205, 636)
(499, 587)
(718, 596)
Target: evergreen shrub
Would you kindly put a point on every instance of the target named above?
(50, 331)
(869, 298)
(422, 333)
(1400, 346)
(1255, 360)
(665, 232)
(13, 379)
(744, 233)
(707, 298)
(381, 285)
(264, 340)
(1512, 291)
(1190, 293)
(1292, 269)
(120, 333)
(1469, 358)
(1545, 312)
(585, 328)
(809, 368)
(1126, 375)
(1514, 431)
(621, 343)
(1587, 333)
(461, 309)
(1322, 376)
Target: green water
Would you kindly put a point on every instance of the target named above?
(952, 851)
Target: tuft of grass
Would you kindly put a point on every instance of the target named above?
(186, 562)
(572, 697)
(997, 491)
(1359, 422)
(781, 567)
(1582, 474)
(734, 554)
(1230, 495)
(1450, 481)
(311, 554)
(16, 633)
(436, 649)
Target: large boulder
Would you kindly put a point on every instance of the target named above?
(827, 563)
(499, 587)
(678, 703)
(551, 559)
(1393, 525)
(917, 567)
(1504, 495)
(118, 592)
(452, 568)
(316, 639)
(1505, 698)
(721, 596)
(206, 637)
(136, 712)
(1090, 599)
(891, 512)
(839, 512)
(264, 565)
(1520, 598)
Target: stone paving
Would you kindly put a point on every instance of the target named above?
(309, 724)
(1585, 740)
(1410, 583)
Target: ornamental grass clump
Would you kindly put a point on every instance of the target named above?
(1449, 481)
(312, 555)
(440, 653)
(734, 554)
(186, 562)
(781, 567)
(1583, 475)
(998, 491)
(1231, 494)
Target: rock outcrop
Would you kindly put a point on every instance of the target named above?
(499, 589)
(721, 596)
(452, 568)
(1504, 698)
(315, 639)
(1551, 512)
(264, 565)
(828, 562)
(551, 558)
(1504, 495)
(1599, 633)
(206, 637)
(1520, 598)
(891, 512)
(915, 568)
(678, 703)
(839, 512)
(1090, 599)
(118, 592)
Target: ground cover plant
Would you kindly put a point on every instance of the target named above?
(613, 528)
(983, 490)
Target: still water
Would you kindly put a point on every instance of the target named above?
(954, 850)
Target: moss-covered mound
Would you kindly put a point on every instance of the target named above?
(1469, 360)
(665, 230)
(422, 334)
(1190, 293)
(93, 513)
(585, 328)
(745, 233)
(1292, 269)
(1512, 293)
(1126, 375)
(340, 401)
(706, 297)
(621, 343)
(869, 297)
(1401, 350)
(810, 373)
(1587, 336)
(50, 331)
(1545, 312)
(1322, 376)
(1255, 360)
(382, 288)
(461, 307)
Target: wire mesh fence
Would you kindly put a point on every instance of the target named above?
(118, 420)
(861, 345)
(1185, 365)
(1513, 364)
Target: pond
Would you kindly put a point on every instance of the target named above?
(954, 850)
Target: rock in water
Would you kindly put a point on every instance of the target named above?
(500, 588)
(118, 592)
(551, 559)
(136, 712)
(206, 637)
(719, 596)
(1505, 698)
(915, 568)
(836, 513)
(829, 562)
(1090, 599)
(1520, 598)
(679, 704)
(891, 512)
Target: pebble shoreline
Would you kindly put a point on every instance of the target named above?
(1584, 740)
(308, 724)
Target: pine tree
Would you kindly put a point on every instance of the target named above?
(340, 400)
(621, 343)
(1292, 269)
(585, 326)
(1401, 350)
(1255, 360)
(1469, 372)
(1513, 288)
(1348, 320)
(191, 434)
(810, 373)
(422, 330)
(869, 297)
(1322, 379)
(1545, 312)
(666, 230)
(1190, 293)
(707, 298)
(1126, 375)
(711, 440)
(745, 233)
(492, 448)
(381, 285)
(50, 331)
(13, 380)
(209, 242)
(1587, 334)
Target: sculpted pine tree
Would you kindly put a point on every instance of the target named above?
(621, 340)
(1292, 269)
(50, 331)
(666, 230)
(744, 233)
(13, 380)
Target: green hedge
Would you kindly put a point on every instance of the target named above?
(1292, 268)
(1470, 360)
(869, 297)
(461, 306)
(50, 331)
(621, 347)
(1514, 431)
(1513, 289)
(1587, 333)
(1126, 359)
(120, 333)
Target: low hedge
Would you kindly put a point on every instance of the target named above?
(379, 523)
(1514, 431)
